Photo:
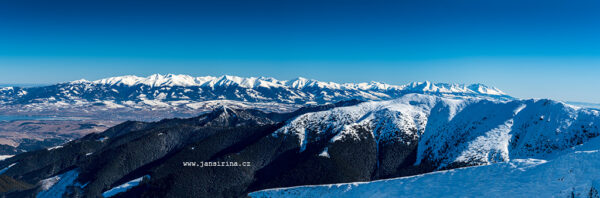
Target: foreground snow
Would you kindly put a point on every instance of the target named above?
(574, 172)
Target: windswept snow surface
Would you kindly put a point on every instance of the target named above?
(572, 173)
(455, 132)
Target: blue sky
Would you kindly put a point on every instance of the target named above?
(542, 49)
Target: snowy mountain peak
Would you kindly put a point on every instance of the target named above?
(80, 81)
(453, 88)
(481, 88)
(154, 80)
(298, 83)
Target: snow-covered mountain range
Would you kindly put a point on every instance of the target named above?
(161, 88)
(299, 83)
(348, 141)
(529, 148)
(186, 93)
(454, 132)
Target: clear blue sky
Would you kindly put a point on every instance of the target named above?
(542, 49)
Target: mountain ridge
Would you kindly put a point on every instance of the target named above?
(185, 96)
(296, 83)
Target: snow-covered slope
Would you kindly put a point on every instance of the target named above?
(573, 173)
(454, 132)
